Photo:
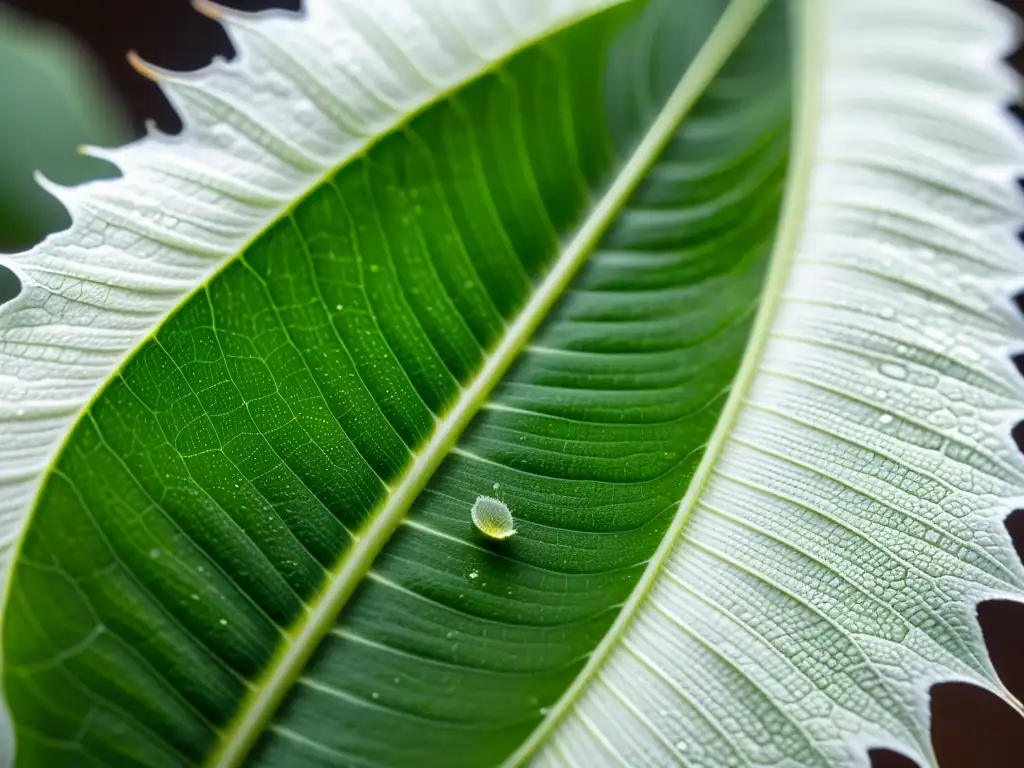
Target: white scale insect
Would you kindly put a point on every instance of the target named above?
(492, 518)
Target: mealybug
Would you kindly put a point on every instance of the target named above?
(492, 517)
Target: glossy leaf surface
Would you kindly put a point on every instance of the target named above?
(552, 265)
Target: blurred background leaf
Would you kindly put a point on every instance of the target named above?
(52, 100)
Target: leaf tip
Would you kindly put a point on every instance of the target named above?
(208, 9)
(144, 69)
(61, 193)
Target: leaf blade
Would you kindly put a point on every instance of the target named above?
(599, 399)
(714, 643)
(185, 389)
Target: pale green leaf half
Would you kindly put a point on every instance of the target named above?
(411, 253)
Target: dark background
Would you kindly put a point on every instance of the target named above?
(971, 729)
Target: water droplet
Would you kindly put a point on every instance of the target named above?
(544, 710)
(374, 268)
(450, 635)
(681, 745)
(492, 517)
(887, 313)
(339, 307)
(155, 553)
(222, 134)
(496, 486)
(396, 680)
(304, 111)
(375, 695)
(194, 596)
(223, 622)
(279, 85)
(474, 574)
(893, 370)
(943, 419)
(885, 418)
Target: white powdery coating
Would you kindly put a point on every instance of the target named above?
(831, 569)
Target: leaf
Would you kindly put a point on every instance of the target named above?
(55, 102)
(733, 355)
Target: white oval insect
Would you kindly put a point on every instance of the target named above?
(492, 517)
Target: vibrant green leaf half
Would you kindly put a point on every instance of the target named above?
(731, 352)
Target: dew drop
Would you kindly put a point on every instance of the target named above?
(681, 746)
(943, 419)
(474, 574)
(304, 111)
(194, 596)
(155, 553)
(887, 313)
(450, 635)
(222, 135)
(492, 517)
(339, 307)
(279, 85)
(375, 695)
(544, 710)
(496, 486)
(885, 418)
(893, 370)
(223, 622)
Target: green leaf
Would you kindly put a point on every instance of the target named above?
(732, 353)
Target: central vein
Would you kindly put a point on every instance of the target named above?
(303, 639)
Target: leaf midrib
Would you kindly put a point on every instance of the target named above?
(808, 30)
(240, 735)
